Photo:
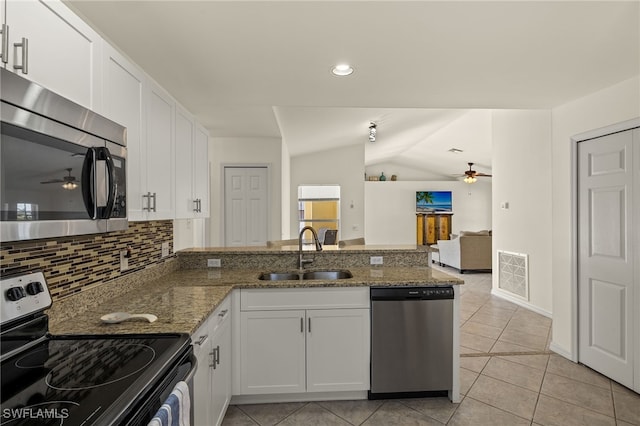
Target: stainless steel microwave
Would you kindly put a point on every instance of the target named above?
(63, 167)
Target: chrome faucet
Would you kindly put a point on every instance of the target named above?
(301, 261)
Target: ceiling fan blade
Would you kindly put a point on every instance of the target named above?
(53, 181)
(483, 174)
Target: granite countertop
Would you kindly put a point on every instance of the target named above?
(183, 299)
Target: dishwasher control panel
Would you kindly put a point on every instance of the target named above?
(408, 293)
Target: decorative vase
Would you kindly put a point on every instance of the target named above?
(383, 177)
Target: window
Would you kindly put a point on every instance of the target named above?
(319, 207)
(26, 211)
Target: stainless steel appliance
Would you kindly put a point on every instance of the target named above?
(411, 341)
(81, 379)
(63, 167)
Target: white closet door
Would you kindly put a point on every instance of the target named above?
(246, 206)
(606, 255)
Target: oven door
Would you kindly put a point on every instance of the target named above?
(56, 180)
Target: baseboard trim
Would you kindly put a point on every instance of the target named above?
(297, 397)
(506, 296)
(562, 351)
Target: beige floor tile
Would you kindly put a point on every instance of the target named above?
(553, 412)
(496, 312)
(476, 342)
(490, 320)
(563, 367)
(627, 405)
(355, 412)
(507, 397)
(480, 329)
(440, 409)
(393, 413)
(476, 413)
(623, 423)
(496, 302)
(514, 373)
(528, 327)
(467, 351)
(533, 361)
(236, 417)
(313, 415)
(502, 347)
(524, 339)
(467, 378)
(474, 363)
(271, 414)
(578, 393)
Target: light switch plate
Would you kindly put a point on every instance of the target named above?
(124, 261)
(165, 249)
(213, 263)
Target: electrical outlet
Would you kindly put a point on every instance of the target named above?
(376, 260)
(124, 261)
(213, 263)
(165, 249)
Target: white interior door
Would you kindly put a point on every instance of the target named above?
(245, 206)
(606, 255)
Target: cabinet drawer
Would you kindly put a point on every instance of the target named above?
(221, 314)
(304, 298)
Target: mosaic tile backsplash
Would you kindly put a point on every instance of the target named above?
(74, 264)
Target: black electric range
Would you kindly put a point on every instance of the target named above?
(80, 379)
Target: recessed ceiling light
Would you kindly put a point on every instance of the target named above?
(455, 150)
(342, 70)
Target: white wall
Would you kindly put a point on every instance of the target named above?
(286, 194)
(247, 152)
(342, 166)
(612, 105)
(390, 208)
(522, 177)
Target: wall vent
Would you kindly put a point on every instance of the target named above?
(513, 273)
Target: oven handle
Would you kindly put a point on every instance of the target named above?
(194, 367)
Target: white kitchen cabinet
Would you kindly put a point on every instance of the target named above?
(55, 48)
(153, 196)
(289, 350)
(192, 167)
(212, 381)
(124, 103)
(272, 352)
(337, 350)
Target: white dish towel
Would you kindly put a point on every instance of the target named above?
(176, 410)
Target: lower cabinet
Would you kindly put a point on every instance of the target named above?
(288, 350)
(212, 381)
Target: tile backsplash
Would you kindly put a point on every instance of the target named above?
(74, 264)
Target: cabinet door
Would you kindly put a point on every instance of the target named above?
(272, 352)
(201, 171)
(202, 347)
(185, 133)
(64, 53)
(337, 350)
(124, 104)
(221, 372)
(159, 152)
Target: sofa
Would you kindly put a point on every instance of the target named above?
(468, 251)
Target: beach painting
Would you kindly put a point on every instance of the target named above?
(433, 202)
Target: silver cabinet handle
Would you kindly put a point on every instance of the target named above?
(148, 197)
(301, 325)
(154, 201)
(25, 56)
(4, 49)
(223, 313)
(195, 205)
(201, 340)
(309, 325)
(215, 357)
(199, 205)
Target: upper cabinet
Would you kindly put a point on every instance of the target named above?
(192, 167)
(47, 43)
(158, 201)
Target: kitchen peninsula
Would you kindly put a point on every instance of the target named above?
(245, 319)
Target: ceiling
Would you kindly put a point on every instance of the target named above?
(262, 68)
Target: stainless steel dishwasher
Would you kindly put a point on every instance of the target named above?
(411, 341)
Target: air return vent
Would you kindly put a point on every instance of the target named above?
(513, 273)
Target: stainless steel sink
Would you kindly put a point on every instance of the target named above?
(326, 275)
(309, 275)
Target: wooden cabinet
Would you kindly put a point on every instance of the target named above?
(192, 167)
(212, 381)
(49, 44)
(289, 350)
(432, 227)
